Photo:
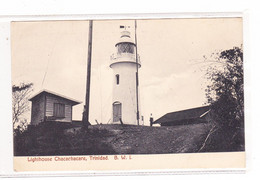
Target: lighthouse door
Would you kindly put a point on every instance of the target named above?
(117, 111)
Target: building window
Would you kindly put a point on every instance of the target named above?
(117, 79)
(59, 110)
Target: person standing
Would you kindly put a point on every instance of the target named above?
(151, 120)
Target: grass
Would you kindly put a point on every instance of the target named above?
(64, 139)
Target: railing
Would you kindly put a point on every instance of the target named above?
(125, 57)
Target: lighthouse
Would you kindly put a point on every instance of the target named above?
(125, 63)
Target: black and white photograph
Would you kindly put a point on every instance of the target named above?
(127, 87)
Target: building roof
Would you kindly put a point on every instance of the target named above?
(74, 102)
(183, 115)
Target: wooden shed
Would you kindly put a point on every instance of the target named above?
(184, 117)
(50, 106)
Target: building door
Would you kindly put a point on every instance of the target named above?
(117, 111)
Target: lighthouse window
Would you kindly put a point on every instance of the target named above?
(126, 48)
(117, 79)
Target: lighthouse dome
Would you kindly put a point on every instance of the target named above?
(125, 38)
(125, 34)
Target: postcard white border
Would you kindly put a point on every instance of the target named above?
(6, 152)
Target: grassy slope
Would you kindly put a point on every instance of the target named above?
(110, 139)
(140, 140)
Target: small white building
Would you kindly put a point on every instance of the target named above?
(50, 106)
(124, 94)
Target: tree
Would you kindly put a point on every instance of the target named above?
(225, 94)
(20, 104)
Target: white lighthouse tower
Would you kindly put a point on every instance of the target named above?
(125, 84)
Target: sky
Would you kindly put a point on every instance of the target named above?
(53, 56)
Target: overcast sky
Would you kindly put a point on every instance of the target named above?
(53, 55)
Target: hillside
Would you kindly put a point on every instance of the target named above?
(62, 139)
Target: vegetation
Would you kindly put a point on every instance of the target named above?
(20, 105)
(54, 138)
(225, 94)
